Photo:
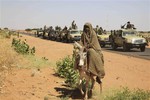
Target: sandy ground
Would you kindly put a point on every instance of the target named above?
(32, 84)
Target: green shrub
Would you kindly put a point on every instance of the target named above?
(65, 69)
(22, 47)
(126, 94)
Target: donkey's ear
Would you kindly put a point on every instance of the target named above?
(76, 44)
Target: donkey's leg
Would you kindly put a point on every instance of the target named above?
(93, 82)
(101, 87)
(80, 81)
(92, 86)
(80, 86)
(86, 90)
(100, 83)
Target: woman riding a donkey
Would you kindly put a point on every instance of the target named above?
(95, 60)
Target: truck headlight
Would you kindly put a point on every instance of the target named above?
(144, 40)
(128, 40)
(99, 38)
(71, 36)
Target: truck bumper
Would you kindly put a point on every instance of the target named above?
(136, 45)
(105, 42)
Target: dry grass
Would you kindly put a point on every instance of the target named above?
(10, 59)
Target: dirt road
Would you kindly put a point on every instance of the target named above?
(121, 70)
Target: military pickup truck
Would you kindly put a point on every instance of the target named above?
(73, 35)
(39, 32)
(128, 39)
(104, 39)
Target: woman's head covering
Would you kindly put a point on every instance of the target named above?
(90, 39)
(89, 26)
(91, 31)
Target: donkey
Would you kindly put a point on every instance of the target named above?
(81, 66)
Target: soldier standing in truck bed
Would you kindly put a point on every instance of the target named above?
(129, 26)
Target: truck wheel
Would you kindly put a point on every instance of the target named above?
(125, 48)
(142, 48)
(102, 45)
(65, 40)
(68, 40)
(114, 46)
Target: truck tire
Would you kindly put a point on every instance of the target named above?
(114, 46)
(142, 48)
(102, 45)
(125, 48)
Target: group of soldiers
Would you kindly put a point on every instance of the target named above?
(58, 32)
(99, 30)
(73, 26)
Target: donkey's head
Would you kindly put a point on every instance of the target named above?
(81, 54)
(82, 58)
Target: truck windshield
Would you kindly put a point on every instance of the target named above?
(128, 33)
(75, 32)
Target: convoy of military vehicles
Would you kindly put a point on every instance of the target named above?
(127, 38)
(62, 36)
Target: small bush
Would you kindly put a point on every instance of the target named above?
(66, 70)
(5, 33)
(126, 94)
(22, 47)
(28, 29)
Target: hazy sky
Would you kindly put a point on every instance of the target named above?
(109, 14)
